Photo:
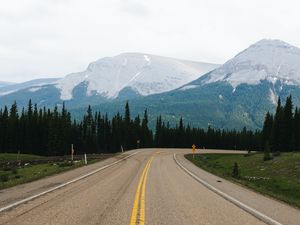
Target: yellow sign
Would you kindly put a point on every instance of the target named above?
(194, 148)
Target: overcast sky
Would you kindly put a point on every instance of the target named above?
(51, 38)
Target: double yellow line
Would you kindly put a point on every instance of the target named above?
(138, 210)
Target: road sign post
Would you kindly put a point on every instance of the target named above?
(194, 150)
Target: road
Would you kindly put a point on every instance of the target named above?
(147, 188)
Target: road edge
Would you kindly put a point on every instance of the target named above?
(5, 208)
(229, 198)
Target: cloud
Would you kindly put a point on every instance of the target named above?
(55, 37)
(134, 7)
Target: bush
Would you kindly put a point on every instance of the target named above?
(4, 178)
(267, 155)
(66, 164)
(18, 176)
(235, 171)
(248, 154)
(14, 171)
(275, 154)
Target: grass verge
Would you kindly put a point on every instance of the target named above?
(6, 157)
(10, 176)
(278, 178)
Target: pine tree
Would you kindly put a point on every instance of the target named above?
(296, 133)
(267, 128)
(277, 140)
(288, 124)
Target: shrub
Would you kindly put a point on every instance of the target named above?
(14, 171)
(4, 178)
(235, 171)
(275, 154)
(18, 176)
(267, 155)
(66, 164)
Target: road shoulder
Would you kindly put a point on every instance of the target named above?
(20, 192)
(279, 211)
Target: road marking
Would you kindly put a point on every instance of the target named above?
(135, 208)
(64, 184)
(138, 210)
(229, 198)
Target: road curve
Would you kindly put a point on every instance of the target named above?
(147, 188)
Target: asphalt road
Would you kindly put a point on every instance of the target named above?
(147, 188)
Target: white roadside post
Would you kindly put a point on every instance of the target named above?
(85, 159)
(122, 148)
(72, 152)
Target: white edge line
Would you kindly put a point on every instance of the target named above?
(64, 184)
(229, 198)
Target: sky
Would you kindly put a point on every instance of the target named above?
(52, 38)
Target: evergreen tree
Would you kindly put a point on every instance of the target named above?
(267, 128)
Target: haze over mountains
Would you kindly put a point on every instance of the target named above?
(235, 94)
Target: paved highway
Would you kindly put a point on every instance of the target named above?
(147, 188)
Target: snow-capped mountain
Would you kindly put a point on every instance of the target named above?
(271, 60)
(33, 84)
(143, 73)
(125, 76)
(236, 94)
(4, 83)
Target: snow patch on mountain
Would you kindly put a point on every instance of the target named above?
(146, 74)
(273, 97)
(34, 89)
(188, 87)
(270, 60)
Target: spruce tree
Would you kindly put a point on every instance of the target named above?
(267, 128)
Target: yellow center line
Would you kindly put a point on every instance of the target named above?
(142, 204)
(139, 201)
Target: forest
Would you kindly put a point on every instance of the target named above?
(50, 132)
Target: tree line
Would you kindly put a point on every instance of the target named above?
(281, 131)
(45, 131)
(51, 132)
(182, 136)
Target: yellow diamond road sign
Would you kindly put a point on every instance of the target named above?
(194, 148)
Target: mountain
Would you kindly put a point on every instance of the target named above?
(236, 94)
(125, 76)
(14, 87)
(4, 83)
(144, 74)
(270, 60)
(233, 95)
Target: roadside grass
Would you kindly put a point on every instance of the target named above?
(12, 176)
(278, 178)
(13, 157)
